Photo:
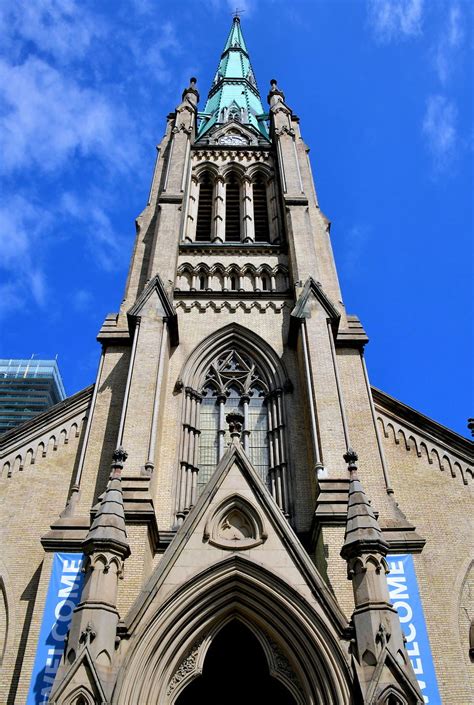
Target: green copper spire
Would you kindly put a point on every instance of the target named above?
(234, 95)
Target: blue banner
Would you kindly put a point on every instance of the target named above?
(64, 592)
(404, 595)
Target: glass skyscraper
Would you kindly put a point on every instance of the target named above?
(27, 387)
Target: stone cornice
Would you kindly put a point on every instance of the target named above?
(45, 422)
(227, 294)
(230, 248)
(423, 425)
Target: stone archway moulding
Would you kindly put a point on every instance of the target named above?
(194, 369)
(302, 647)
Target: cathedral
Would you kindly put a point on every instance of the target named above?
(231, 512)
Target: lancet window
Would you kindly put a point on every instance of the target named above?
(204, 214)
(260, 211)
(233, 381)
(232, 208)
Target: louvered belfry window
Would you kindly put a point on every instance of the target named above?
(232, 210)
(204, 215)
(260, 211)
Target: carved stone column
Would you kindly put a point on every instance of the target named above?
(219, 210)
(247, 202)
(191, 220)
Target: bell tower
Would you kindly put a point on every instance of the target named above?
(232, 319)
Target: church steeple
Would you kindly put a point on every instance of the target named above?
(234, 95)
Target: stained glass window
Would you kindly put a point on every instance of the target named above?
(233, 383)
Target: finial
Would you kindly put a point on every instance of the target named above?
(119, 456)
(470, 425)
(236, 14)
(275, 95)
(351, 459)
(191, 92)
(236, 423)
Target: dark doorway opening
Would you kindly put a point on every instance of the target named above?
(236, 673)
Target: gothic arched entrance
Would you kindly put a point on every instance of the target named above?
(235, 672)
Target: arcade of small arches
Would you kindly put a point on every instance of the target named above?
(233, 204)
(202, 277)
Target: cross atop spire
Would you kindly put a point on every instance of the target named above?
(235, 39)
(234, 94)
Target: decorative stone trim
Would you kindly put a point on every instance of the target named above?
(187, 666)
(232, 278)
(232, 306)
(236, 525)
(44, 434)
(435, 453)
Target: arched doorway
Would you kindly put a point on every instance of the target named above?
(235, 672)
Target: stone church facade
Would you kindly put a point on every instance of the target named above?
(233, 543)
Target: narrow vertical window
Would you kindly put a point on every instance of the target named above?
(208, 440)
(260, 211)
(202, 282)
(232, 210)
(233, 285)
(264, 284)
(204, 215)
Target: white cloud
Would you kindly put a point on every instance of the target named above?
(439, 129)
(450, 40)
(393, 20)
(245, 6)
(61, 28)
(46, 117)
(107, 247)
(22, 227)
(157, 57)
(67, 81)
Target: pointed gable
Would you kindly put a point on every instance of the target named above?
(154, 295)
(235, 515)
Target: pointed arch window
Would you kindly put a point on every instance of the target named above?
(260, 210)
(204, 214)
(232, 381)
(232, 210)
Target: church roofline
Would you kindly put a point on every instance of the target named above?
(422, 424)
(38, 424)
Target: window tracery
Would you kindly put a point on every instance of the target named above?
(232, 381)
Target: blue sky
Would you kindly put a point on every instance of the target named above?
(384, 90)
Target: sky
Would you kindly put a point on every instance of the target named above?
(384, 91)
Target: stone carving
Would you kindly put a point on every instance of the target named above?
(88, 634)
(235, 527)
(186, 667)
(282, 665)
(232, 139)
(285, 130)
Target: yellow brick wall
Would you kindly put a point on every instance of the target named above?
(440, 506)
(29, 502)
